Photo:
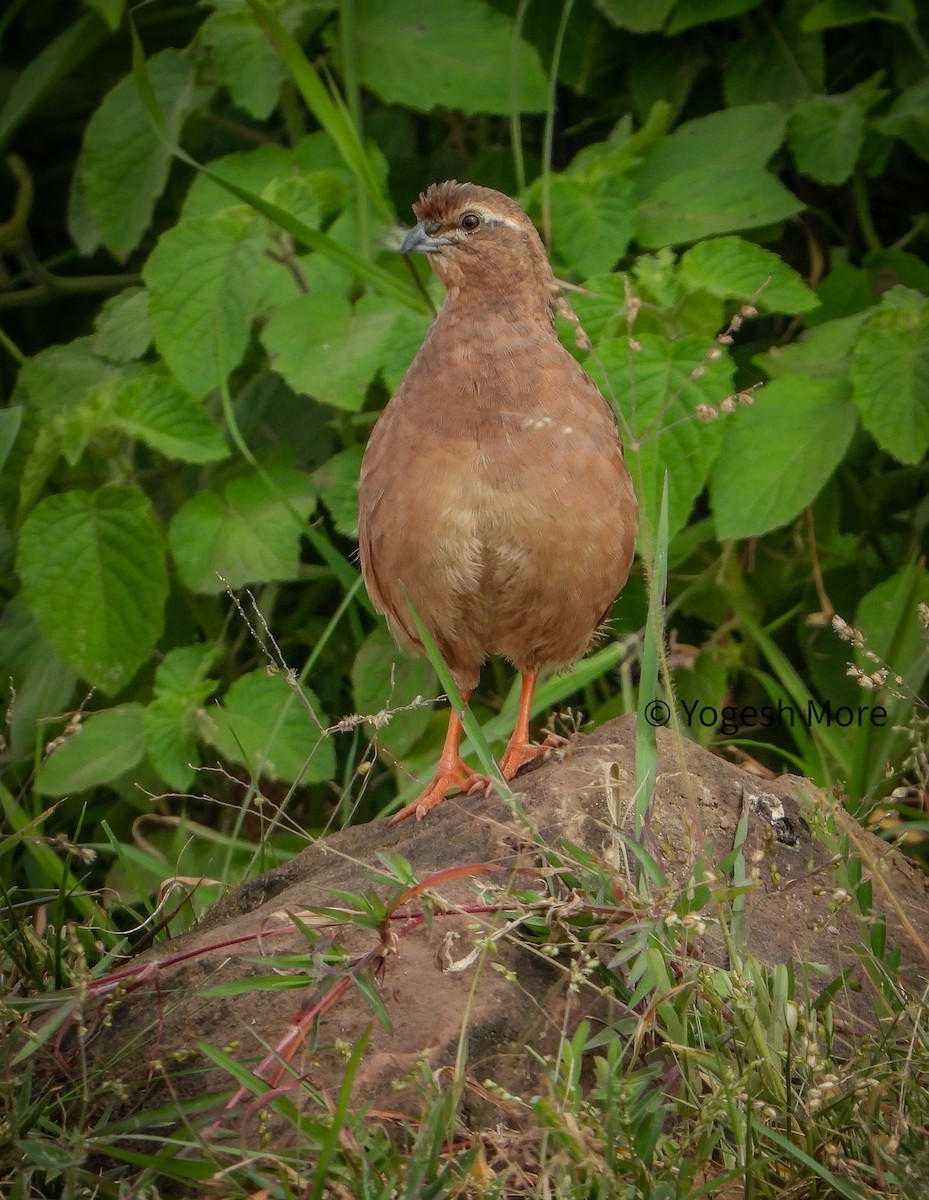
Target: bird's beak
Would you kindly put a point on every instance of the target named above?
(421, 237)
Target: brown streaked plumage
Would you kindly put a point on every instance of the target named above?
(493, 489)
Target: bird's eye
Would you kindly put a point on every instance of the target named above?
(470, 221)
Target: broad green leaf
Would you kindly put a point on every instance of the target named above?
(778, 454)
(890, 375)
(461, 56)
(155, 410)
(825, 351)
(601, 307)
(244, 59)
(385, 679)
(734, 269)
(123, 331)
(44, 684)
(711, 199)
(200, 279)
(61, 376)
(263, 725)
(245, 534)
(181, 689)
(323, 346)
(93, 573)
(638, 16)
(775, 64)
(104, 748)
(655, 389)
(833, 14)
(185, 669)
(123, 164)
(744, 137)
(825, 134)
(908, 118)
(252, 169)
(690, 13)
(593, 220)
(337, 481)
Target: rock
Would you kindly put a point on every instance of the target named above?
(444, 996)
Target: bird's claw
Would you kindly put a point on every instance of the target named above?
(457, 777)
(515, 757)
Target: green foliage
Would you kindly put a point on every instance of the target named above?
(168, 447)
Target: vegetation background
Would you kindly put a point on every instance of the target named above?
(202, 313)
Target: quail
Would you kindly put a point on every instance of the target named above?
(493, 497)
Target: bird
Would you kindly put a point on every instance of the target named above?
(493, 497)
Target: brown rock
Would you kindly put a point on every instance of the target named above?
(489, 1008)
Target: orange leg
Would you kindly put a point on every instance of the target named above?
(520, 749)
(452, 774)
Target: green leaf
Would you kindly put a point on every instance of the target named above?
(93, 573)
(734, 269)
(825, 351)
(655, 389)
(690, 13)
(244, 534)
(244, 59)
(638, 16)
(61, 376)
(44, 683)
(708, 177)
(744, 137)
(123, 330)
(123, 164)
(890, 375)
(461, 56)
(253, 169)
(778, 454)
(181, 689)
(104, 748)
(202, 296)
(157, 411)
(825, 134)
(908, 118)
(711, 199)
(264, 726)
(593, 219)
(833, 14)
(384, 678)
(337, 481)
(327, 348)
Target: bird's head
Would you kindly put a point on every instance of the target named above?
(477, 237)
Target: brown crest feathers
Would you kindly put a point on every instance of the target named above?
(442, 202)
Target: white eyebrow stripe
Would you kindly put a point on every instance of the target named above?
(493, 218)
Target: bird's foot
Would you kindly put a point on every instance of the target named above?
(517, 755)
(450, 777)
